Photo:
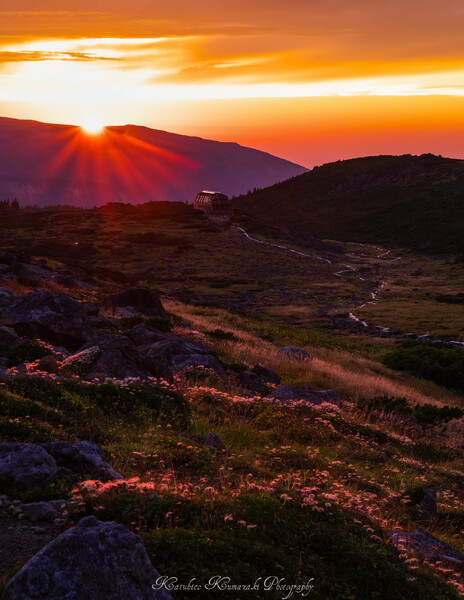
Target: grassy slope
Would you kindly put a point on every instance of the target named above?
(301, 493)
(382, 199)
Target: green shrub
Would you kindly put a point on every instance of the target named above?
(220, 334)
(27, 350)
(425, 414)
(158, 323)
(440, 364)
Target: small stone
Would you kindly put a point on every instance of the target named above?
(294, 352)
(214, 441)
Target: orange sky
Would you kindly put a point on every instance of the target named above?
(309, 80)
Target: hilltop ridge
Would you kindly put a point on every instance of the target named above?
(400, 200)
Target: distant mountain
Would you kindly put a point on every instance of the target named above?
(47, 164)
(406, 199)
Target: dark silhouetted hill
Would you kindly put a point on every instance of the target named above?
(406, 199)
(48, 164)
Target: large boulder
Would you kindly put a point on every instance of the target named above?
(424, 544)
(289, 394)
(134, 301)
(94, 560)
(26, 463)
(117, 358)
(82, 457)
(203, 364)
(178, 354)
(142, 334)
(29, 463)
(51, 316)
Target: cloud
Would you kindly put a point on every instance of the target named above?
(32, 56)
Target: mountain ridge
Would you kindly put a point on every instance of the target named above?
(49, 164)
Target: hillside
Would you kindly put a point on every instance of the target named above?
(46, 164)
(215, 411)
(400, 200)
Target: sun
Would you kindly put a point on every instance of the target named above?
(92, 124)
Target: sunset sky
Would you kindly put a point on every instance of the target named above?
(308, 80)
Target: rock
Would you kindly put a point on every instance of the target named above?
(426, 545)
(10, 259)
(26, 463)
(294, 352)
(268, 375)
(214, 441)
(143, 334)
(173, 346)
(134, 301)
(250, 381)
(81, 364)
(8, 339)
(198, 363)
(48, 364)
(288, 394)
(6, 297)
(40, 511)
(427, 507)
(90, 308)
(118, 358)
(106, 322)
(83, 457)
(54, 317)
(94, 560)
(179, 354)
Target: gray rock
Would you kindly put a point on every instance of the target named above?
(40, 511)
(214, 441)
(81, 363)
(198, 363)
(143, 334)
(6, 297)
(118, 358)
(250, 381)
(91, 308)
(294, 352)
(82, 457)
(139, 301)
(26, 463)
(8, 339)
(178, 354)
(426, 545)
(54, 317)
(288, 394)
(48, 364)
(93, 560)
(173, 346)
(267, 375)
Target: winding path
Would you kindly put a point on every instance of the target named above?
(349, 268)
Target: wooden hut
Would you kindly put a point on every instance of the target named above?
(213, 203)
